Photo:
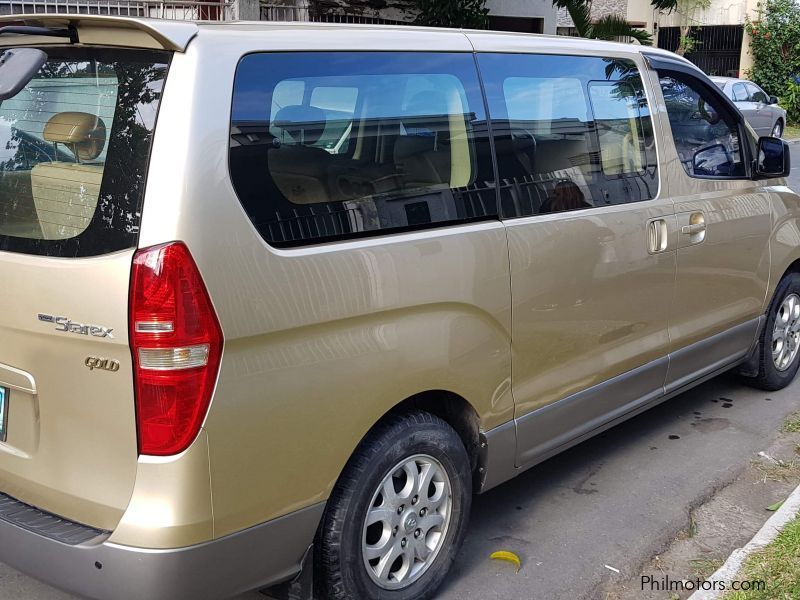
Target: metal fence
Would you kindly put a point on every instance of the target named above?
(717, 47)
(286, 12)
(206, 10)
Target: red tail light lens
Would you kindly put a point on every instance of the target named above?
(176, 342)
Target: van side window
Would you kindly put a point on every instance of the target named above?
(706, 135)
(347, 144)
(571, 132)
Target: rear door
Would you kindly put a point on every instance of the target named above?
(762, 120)
(723, 220)
(592, 262)
(73, 157)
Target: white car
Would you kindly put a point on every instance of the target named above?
(760, 109)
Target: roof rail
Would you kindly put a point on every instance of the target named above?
(105, 30)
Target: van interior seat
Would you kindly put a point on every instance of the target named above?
(423, 152)
(65, 193)
(300, 169)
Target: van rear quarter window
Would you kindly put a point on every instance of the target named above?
(74, 147)
(336, 145)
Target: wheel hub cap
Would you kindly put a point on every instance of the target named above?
(411, 523)
(407, 522)
(786, 333)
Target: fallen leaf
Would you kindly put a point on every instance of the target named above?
(507, 556)
(775, 506)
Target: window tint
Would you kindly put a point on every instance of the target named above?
(570, 132)
(74, 145)
(340, 145)
(740, 93)
(706, 135)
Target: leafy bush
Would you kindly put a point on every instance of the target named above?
(471, 14)
(775, 45)
(790, 100)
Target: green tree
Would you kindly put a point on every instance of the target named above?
(775, 45)
(471, 14)
(605, 28)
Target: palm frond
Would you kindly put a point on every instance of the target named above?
(665, 5)
(580, 13)
(613, 26)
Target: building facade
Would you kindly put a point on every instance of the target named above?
(722, 45)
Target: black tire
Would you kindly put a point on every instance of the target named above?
(769, 377)
(341, 572)
(777, 128)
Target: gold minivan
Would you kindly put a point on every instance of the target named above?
(277, 299)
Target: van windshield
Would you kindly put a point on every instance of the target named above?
(74, 146)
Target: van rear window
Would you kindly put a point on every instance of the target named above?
(74, 147)
(335, 145)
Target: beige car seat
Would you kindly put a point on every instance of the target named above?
(65, 193)
(300, 169)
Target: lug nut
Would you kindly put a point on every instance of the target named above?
(423, 512)
(417, 533)
(415, 499)
(403, 543)
(394, 530)
(400, 509)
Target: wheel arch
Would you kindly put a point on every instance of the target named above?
(453, 409)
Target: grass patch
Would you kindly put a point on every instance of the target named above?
(791, 132)
(778, 565)
(792, 424)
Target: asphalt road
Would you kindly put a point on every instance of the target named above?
(614, 500)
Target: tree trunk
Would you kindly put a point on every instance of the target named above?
(685, 30)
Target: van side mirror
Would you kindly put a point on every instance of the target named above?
(17, 68)
(773, 159)
(773, 100)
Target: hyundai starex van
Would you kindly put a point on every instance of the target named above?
(277, 299)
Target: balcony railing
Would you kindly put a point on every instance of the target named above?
(204, 10)
(287, 12)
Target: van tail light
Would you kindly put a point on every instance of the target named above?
(176, 343)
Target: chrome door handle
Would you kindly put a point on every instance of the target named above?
(693, 229)
(657, 235)
(696, 227)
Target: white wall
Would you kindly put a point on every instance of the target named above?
(721, 12)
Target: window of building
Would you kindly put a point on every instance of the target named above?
(705, 133)
(571, 132)
(350, 144)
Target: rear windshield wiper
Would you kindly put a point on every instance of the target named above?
(19, 65)
(69, 32)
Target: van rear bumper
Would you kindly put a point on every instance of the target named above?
(251, 559)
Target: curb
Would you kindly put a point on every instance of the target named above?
(768, 532)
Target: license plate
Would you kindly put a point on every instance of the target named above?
(3, 413)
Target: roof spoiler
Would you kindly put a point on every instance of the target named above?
(103, 30)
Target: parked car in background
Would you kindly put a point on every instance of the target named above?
(760, 109)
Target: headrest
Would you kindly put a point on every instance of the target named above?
(426, 103)
(81, 132)
(304, 123)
